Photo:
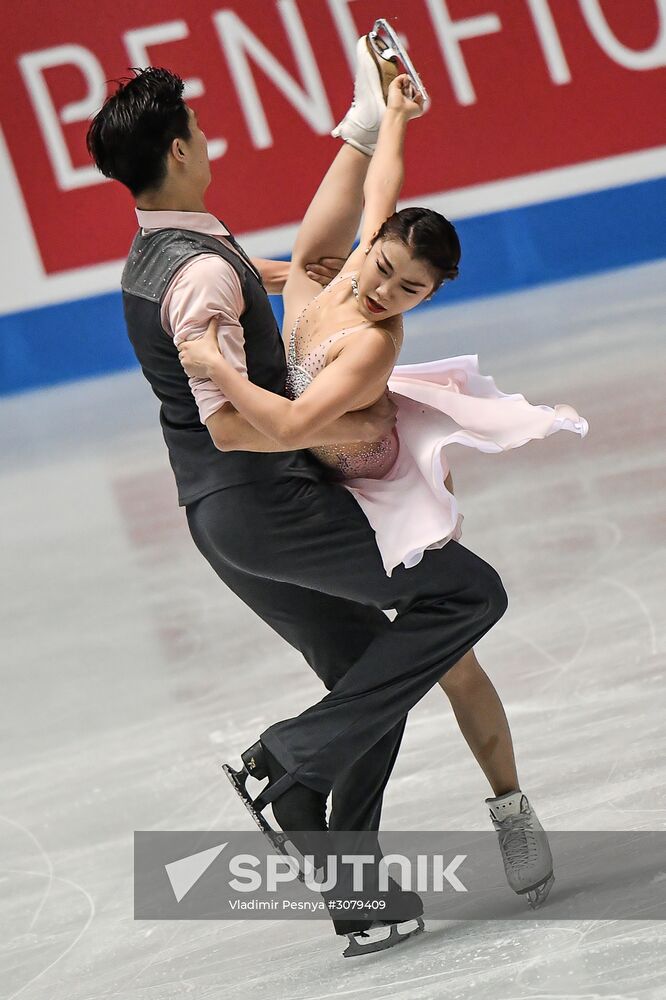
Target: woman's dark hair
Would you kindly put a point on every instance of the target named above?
(429, 236)
(129, 137)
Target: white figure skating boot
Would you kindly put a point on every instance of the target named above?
(524, 846)
(374, 73)
(380, 57)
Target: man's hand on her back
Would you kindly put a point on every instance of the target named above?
(324, 269)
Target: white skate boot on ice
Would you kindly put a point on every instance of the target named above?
(523, 842)
(374, 74)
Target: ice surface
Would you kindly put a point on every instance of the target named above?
(130, 673)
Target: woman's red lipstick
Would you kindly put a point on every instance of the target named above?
(373, 306)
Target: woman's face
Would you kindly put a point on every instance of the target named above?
(391, 281)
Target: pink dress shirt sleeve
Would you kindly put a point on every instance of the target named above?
(206, 287)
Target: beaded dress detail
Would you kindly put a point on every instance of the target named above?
(368, 460)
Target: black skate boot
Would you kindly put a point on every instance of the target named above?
(372, 919)
(299, 808)
(295, 806)
(372, 934)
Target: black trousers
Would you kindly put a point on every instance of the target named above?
(302, 555)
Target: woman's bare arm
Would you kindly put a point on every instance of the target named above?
(232, 432)
(340, 387)
(386, 172)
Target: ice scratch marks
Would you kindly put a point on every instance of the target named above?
(50, 877)
(72, 944)
(47, 861)
(633, 594)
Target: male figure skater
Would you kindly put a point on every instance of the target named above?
(292, 545)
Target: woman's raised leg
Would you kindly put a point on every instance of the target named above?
(328, 228)
(332, 220)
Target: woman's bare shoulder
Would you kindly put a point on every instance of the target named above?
(371, 345)
(393, 326)
(393, 323)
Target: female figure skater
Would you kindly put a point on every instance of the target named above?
(342, 345)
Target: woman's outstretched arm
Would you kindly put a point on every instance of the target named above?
(385, 176)
(342, 386)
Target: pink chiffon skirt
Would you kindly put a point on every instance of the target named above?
(442, 403)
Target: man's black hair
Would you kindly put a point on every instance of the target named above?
(129, 137)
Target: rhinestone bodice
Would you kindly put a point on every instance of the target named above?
(305, 361)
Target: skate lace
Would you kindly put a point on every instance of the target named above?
(518, 840)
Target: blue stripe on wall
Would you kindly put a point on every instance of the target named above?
(502, 252)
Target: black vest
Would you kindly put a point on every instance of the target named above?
(199, 467)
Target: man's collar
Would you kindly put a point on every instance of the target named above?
(198, 222)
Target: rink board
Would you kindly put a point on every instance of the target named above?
(545, 143)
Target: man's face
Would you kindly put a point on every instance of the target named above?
(197, 148)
